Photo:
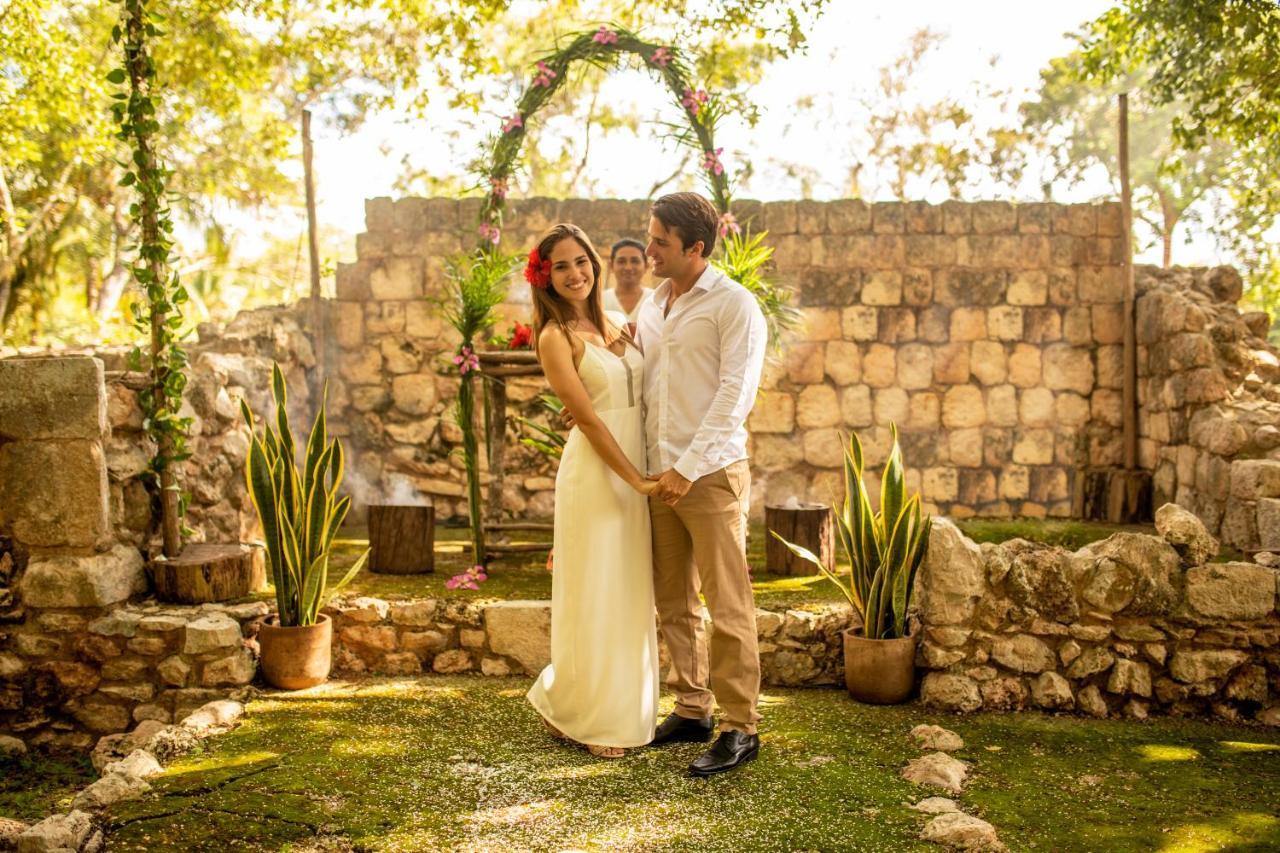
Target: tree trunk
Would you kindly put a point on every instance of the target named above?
(138, 64)
(810, 526)
(206, 572)
(401, 539)
(1169, 216)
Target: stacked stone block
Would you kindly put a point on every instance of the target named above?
(408, 636)
(990, 333)
(1209, 406)
(1130, 625)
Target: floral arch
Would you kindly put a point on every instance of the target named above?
(606, 47)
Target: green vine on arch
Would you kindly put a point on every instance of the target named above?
(605, 48)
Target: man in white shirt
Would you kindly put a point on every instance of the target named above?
(627, 268)
(704, 340)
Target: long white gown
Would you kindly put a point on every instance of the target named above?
(601, 687)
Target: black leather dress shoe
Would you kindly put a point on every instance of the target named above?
(730, 749)
(675, 729)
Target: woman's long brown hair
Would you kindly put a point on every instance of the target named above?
(550, 307)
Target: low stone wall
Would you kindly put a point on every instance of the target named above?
(1209, 416)
(74, 673)
(1131, 625)
(408, 636)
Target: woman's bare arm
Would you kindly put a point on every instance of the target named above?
(555, 352)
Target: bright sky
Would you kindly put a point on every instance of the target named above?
(847, 48)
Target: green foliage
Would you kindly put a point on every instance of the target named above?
(477, 284)
(1073, 122)
(586, 48)
(161, 320)
(743, 259)
(885, 547)
(299, 510)
(402, 764)
(551, 444)
(1216, 60)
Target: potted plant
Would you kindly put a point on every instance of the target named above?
(300, 513)
(885, 550)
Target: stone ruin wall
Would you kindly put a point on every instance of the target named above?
(931, 345)
(1128, 626)
(989, 332)
(1209, 415)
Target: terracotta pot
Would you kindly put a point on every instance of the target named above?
(295, 658)
(879, 672)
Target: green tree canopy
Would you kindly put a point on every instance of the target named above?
(237, 77)
(1220, 61)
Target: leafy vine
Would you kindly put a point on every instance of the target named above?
(160, 318)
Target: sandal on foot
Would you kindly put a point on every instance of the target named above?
(553, 731)
(609, 752)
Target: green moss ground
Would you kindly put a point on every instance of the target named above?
(461, 763)
(34, 785)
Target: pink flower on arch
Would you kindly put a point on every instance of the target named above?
(466, 360)
(545, 75)
(694, 101)
(729, 222)
(604, 35)
(490, 232)
(498, 187)
(513, 122)
(660, 57)
(711, 161)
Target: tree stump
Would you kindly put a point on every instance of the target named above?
(807, 525)
(1113, 494)
(402, 539)
(209, 571)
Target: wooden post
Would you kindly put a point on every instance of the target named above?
(1130, 393)
(810, 526)
(401, 539)
(496, 442)
(313, 248)
(207, 572)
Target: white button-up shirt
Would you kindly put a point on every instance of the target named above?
(702, 366)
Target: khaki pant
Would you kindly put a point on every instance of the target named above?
(700, 545)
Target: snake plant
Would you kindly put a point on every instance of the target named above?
(299, 509)
(885, 548)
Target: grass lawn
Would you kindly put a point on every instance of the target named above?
(526, 577)
(33, 785)
(461, 763)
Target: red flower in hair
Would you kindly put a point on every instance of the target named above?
(538, 272)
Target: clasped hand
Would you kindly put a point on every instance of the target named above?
(669, 486)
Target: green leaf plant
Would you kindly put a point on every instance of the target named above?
(299, 508)
(885, 548)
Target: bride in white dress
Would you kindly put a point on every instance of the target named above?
(601, 687)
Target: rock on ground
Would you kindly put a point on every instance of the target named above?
(57, 833)
(110, 789)
(172, 741)
(936, 805)
(213, 717)
(938, 769)
(115, 747)
(961, 831)
(936, 738)
(10, 829)
(139, 764)
(10, 745)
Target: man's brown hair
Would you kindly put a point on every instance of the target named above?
(691, 216)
